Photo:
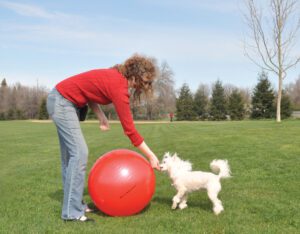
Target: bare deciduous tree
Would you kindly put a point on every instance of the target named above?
(162, 101)
(272, 38)
(20, 102)
(165, 88)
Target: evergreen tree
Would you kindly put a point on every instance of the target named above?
(263, 99)
(185, 104)
(2, 116)
(3, 99)
(218, 102)
(4, 83)
(286, 105)
(236, 106)
(19, 114)
(43, 113)
(11, 114)
(201, 102)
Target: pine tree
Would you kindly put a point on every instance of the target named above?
(11, 115)
(2, 116)
(201, 102)
(218, 102)
(263, 99)
(236, 106)
(4, 83)
(3, 99)
(185, 104)
(43, 113)
(286, 105)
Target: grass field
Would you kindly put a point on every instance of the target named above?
(262, 197)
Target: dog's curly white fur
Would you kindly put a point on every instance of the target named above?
(185, 180)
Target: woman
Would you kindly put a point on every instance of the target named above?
(100, 86)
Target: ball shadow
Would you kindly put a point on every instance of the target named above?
(58, 196)
(100, 213)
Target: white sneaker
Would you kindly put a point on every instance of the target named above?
(83, 218)
(89, 210)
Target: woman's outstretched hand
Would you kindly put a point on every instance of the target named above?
(150, 155)
(154, 163)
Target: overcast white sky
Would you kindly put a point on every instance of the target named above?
(51, 40)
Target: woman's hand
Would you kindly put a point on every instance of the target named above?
(104, 124)
(154, 162)
(150, 155)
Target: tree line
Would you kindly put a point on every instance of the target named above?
(21, 102)
(229, 102)
(219, 102)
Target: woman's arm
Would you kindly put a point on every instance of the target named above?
(150, 155)
(104, 125)
(122, 106)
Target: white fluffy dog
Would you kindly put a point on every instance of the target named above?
(185, 180)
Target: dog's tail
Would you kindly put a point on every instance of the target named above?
(220, 167)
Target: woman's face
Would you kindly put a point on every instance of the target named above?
(131, 84)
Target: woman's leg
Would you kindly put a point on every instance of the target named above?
(64, 158)
(74, 157)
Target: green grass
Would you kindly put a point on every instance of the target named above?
(262, 197)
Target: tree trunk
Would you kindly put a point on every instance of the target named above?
(278, 108)
(280, 69)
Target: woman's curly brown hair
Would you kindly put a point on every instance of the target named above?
(141, 70)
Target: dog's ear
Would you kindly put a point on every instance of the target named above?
(175, 157)
(167, 155)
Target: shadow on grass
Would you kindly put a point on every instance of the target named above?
(203, 204)
(57, 195)
(100, 213)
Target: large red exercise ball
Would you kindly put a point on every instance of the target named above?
(121, 183)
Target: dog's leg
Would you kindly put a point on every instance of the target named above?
(217, 204)
(177, 198)
(183, 204)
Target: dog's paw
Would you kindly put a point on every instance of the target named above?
(218, 210)
(174, 206)
(182, 206)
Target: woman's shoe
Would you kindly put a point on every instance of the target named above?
(89, 210)
(83, 218)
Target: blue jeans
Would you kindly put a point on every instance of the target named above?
(74, 153)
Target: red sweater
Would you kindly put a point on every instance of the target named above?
(102, 86)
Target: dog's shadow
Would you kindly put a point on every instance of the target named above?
(195, 202)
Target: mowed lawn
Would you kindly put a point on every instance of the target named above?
(263, 196)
